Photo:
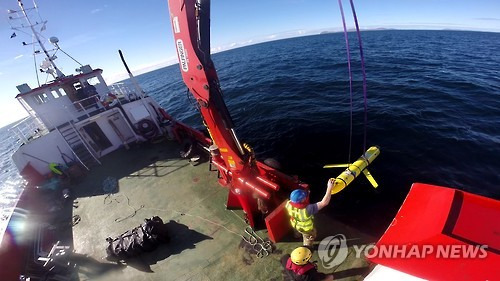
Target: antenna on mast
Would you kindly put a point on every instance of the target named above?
(48, 65)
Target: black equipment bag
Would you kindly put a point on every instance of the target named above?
(144, 238)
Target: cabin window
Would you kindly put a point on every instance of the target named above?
(93, 81)
(48, 96)
(37, 99)
(77, 85)
(52, 95)
(55, 94)
(41, 98)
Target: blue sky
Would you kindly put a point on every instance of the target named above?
(92, 31)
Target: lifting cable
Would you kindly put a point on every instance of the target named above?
(363, 70)
(350, 77)
(350, 74)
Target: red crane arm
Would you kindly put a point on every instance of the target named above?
(254, 186)
(191, 24)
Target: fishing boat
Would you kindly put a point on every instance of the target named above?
(100, 158)
(86, 142)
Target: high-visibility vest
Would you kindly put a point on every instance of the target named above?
(54, 168)
(300, 218)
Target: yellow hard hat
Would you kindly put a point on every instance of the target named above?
(301, 255)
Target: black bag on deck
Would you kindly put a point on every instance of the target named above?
(144, 238)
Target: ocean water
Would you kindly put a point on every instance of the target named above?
(11, 182)
(433, 108)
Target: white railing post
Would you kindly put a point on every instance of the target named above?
(20, 134)
(84, 110)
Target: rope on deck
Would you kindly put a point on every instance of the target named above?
(262, 247)
(115, 198)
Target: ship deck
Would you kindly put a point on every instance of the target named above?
(205, 237)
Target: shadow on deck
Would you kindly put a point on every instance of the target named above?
(140, 161)
(182, 238)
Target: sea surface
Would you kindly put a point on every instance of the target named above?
(433, 109)
(11, 182)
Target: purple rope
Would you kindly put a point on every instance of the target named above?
(363, 69)
(350, 75)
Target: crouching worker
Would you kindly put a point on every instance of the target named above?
(298, 268)
(302, 213)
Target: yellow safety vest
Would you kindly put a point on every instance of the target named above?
(53, 168)
(300, 218)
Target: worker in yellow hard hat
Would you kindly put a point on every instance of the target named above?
(299, 268)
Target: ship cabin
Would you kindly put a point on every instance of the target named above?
(77, 119)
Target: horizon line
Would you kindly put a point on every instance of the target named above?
(276, 37)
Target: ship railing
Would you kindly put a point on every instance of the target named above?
(28, 129)
(89, 105)
(124, 92)
(39, 124)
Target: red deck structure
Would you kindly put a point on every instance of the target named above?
(458, 231)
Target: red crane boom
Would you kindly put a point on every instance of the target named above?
(254, 186)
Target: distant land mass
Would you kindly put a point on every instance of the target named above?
(353, 29)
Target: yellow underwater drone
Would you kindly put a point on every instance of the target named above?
(354, 170)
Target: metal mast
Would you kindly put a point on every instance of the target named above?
(59, 74)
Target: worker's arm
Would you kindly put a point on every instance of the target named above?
(326, 199)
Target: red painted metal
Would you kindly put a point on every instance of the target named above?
(258, 187)
(12, 257)
(181, 130)
(232, 201)
(270, 184)
(31, 175)
(440, 216)
(16, 243)
(277, 222)
(220, 166)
